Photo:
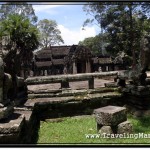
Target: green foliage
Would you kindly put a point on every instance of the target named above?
(49, 33)
(74, 129)
(96, 43)
(21, 8)
(125, 24)
(23, 39)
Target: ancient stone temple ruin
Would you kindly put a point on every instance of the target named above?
(70, 60)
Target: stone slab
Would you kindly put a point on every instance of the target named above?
(110, 115)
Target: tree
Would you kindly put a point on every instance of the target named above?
(17, 52)
(23, 40)
(49, 33)
(96, 44)
(21, 8)
(124, 23)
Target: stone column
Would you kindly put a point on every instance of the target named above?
(107, 68)
(64, 84)
(45, 72)
(91, 83)
(74, 68)
(31, 73)
(88, 67)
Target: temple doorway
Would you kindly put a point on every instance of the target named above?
(81, 67)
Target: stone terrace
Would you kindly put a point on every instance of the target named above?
(50, 101)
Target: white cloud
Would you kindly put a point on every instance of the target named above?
(46, 8)
(71, 37)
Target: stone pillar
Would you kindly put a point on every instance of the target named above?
(88, 67)
(64, 84)
(31, 73)
(107, 69)
(45, 72)
(74, 68)
(91, 83)
(65, 70)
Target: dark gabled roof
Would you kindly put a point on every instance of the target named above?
(43, 64)
(60, 50)
(58, 61)
(82, 52)
(43, 54)
(53, 51)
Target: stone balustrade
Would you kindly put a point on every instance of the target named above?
(65, 79)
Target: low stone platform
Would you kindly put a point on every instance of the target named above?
(110, 96)
(69, 92)
(76, 104)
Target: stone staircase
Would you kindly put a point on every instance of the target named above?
(67, 102)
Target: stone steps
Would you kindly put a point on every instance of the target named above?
(66, 93)
(42, 91)
(78, 98)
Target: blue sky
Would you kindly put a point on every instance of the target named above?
(69, 18)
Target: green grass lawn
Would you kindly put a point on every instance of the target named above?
(74, 130)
